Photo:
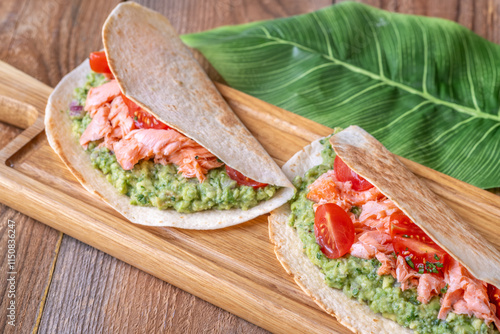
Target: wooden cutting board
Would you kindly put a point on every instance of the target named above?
(233, 268)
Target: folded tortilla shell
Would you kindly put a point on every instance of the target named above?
(370, 159)
(289, 250)
(157, 71)
(204, 103)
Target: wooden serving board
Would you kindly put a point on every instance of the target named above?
(233, 268)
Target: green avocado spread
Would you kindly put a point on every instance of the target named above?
(358, 278)
(150, 184)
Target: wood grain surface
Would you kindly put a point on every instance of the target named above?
(37, 246)
(243, 276)
(46, 39)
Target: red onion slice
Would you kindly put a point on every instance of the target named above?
(75, 109)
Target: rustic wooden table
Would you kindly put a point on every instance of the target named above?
(65, 286)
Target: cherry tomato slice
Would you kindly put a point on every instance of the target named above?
(132, 106)
(242, 179)
(402, 225)
(423, 257)
(99, 62)
(494, 294)
(343, 173)
(334, 230)
(142, 119)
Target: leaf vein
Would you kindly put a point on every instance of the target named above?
(360, 93)
(482, 139)
(424, 79)
(323, 30)
(268, 35)
(300, 77)
(402, 116)
(460, 108)
(377, 45)
(469, 74)
(444, 133)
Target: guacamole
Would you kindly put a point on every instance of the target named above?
(151, 184)
(358, 278)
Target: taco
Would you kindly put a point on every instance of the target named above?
(147, 131)
(374, 247)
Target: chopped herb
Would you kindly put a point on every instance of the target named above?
(142, 199)
(409, 261)
(436, 257)
(405, 236)
(135, 118)
(414, 300)
(318, 256)
(432, 267)
(372, 276)
(196, 157)
(445, 289)
(421, 271)
(172, 198)
(356, 210)
(413, 314)
(394, 254)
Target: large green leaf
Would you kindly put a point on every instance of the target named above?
(427, 88)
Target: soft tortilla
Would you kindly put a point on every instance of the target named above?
(289, 248)
(244, 148)
(370, 159)
(349, 312)
(156, 70)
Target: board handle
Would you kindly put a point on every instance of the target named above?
(21, 115)
(17, 113)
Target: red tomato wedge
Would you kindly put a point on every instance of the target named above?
(132, 106)
(343, 173)
(402, 225)
(99, 62)
(242, 179)
(423, 257)
(142, 119)
(334, 230)
(494, 294)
